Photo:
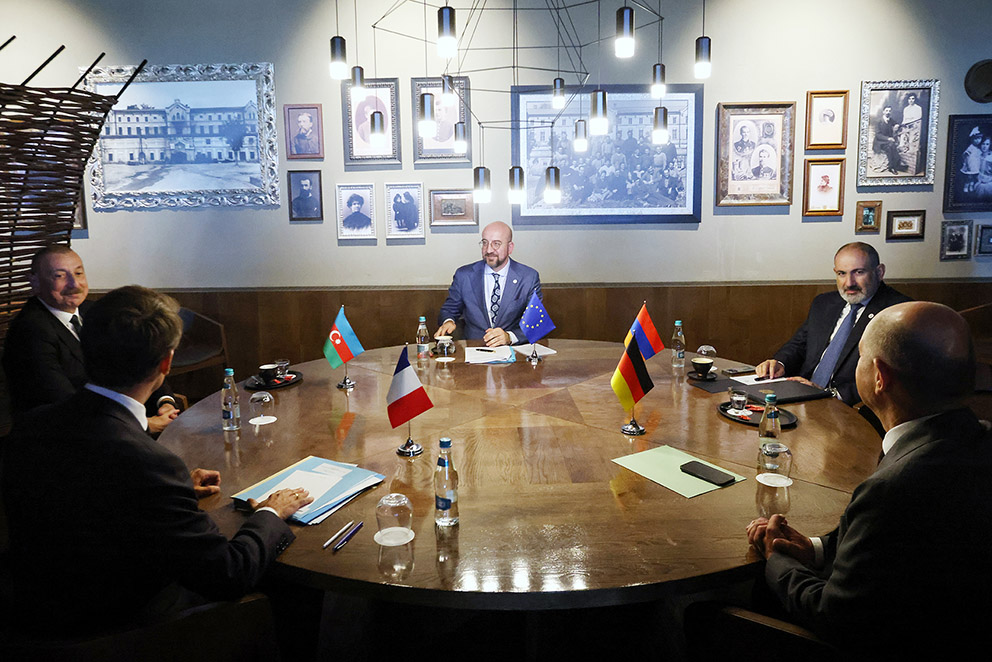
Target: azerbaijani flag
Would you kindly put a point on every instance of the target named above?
(631, 380)
(342, 344)
(647, 336)
(406, 398)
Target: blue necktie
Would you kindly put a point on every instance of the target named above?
(494, 299)
(825, 369)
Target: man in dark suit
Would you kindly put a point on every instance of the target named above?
(104, 525)
(42, 357)
(906, 575)
(824, 350)
(490, 296)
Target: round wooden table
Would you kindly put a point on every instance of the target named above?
(547, 519)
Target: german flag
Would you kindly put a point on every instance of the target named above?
(631, 380)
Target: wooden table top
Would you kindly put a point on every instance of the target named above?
(547, 519)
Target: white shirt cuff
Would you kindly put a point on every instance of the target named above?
(269, 510)
(513, 337)
(817, 551)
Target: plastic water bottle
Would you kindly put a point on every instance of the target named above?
(678, 346)
(445, 487)
(423, 340)
(770, 426)
(230, 407)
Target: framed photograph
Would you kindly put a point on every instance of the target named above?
(356, 211)
(968, 177)
(404, 211)
(439, 149)
(622, 177)
(955, 240)
(868, 217)
(823, 192)
(453, 207)
(79, 214)
(306, 195)
(897, 137)
(756, 142)
(185, 136)
(905, 225)
(826, 119)
(983, 240)
(359, 151)
(304, 128)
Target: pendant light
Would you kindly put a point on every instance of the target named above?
(580, 142)
(659, 136)
(623, 46)
(552, 185)
(377, 135)
(426, 119)
(517, 194)
(703, 66)
(599, 123)
(448, 95)
(447, 39)
(339, 64)
(461, 138)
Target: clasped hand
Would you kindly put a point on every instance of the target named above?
(775, 535)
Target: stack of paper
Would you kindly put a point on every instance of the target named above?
(502, 354)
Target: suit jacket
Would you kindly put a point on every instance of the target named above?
(466, 302)
(102, 519)
(909, 566)
(802, 352)
(44, 361)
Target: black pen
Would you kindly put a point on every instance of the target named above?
(348, 536)
(761, 379)
(483, 349)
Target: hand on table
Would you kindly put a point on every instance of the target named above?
(205, 482)
(496, 337)
(284, 502)
(446, 329)
(770, 369)
(775, 535)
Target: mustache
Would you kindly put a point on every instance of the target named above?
(75, 290)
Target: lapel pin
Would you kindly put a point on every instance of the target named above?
(514, 281)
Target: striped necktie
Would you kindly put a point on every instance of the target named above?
(494, 299)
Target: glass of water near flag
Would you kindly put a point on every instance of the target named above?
(342, 346)
(406, 400)
(536, 323)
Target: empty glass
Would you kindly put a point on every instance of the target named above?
(394, 514)
(774, 464)
(738, 403)
(706, 350)
(262, 406)
(282, 368)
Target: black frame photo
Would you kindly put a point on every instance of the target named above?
(905, 225)
(983, 240)
(306, 202)
(304, 127)
(955, 240)
(968, 175)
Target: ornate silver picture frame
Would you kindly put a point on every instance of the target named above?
(897, 136)
(359, 151)
(186, 136)
(439, 150)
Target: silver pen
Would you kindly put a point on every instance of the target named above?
(338, 534)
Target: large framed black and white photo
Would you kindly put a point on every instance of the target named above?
(186, 136)
(756, 144)
(897, 135)
(968, 177)
(438, 150)
(362, 151)
(622, 177)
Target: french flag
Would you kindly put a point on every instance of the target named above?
(406, 398)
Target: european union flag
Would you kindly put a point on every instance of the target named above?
(535, 321)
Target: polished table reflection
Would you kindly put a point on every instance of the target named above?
(547, 519)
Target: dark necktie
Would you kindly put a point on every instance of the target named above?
(77, 326)
(825, 369)
(494, 298)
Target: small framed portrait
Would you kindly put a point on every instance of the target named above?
(307, 202)
(905, 225)
(755, 152)
(897, 136)
(983, 240)
(356, 211)
(968, 177)
(453, 207)
(439, 148)
(404, 211)
(304, 131)
(826, 119)
(823, 192)
(955, 240)
(79, 213)
(868, 217)
(363, 150)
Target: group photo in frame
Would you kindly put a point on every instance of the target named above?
(826, 119)
(622, 177)
(404, 211)
(897, 136)
(868, 217)
(823, 188)
(304, 128)
(905, 225)
(955, 240)
(453, 207)
(306, 195)
(983, 240)
(360, 152)
(968, 176)
(756, 142)
(356, 211)
(439, 149)
(186, 136)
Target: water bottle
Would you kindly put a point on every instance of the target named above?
(230, 408)
(678, 347)
(445, 487)
(770, 427)
(423, 340)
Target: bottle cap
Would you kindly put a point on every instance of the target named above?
(229, 372)
(771, 398)
(678, 322)
(423, 319)
(445, 442)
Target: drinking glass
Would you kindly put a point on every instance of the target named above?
(774, 464)
(261, 404)
(394, 514)
(708, 351)
(282, 368)
(738, 402)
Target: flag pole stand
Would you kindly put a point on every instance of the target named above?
(347, 383)
(534, 359)
(410, 448)
(632, 429)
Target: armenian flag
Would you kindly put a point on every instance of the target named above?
(646, 335)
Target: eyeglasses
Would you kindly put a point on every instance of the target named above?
(495, 245)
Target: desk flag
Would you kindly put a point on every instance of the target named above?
(646, 335)
(535, 321)
(342, 344)
(631, 380)
(406, 398)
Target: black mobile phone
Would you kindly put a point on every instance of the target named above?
(707, 473)
(738, 371)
